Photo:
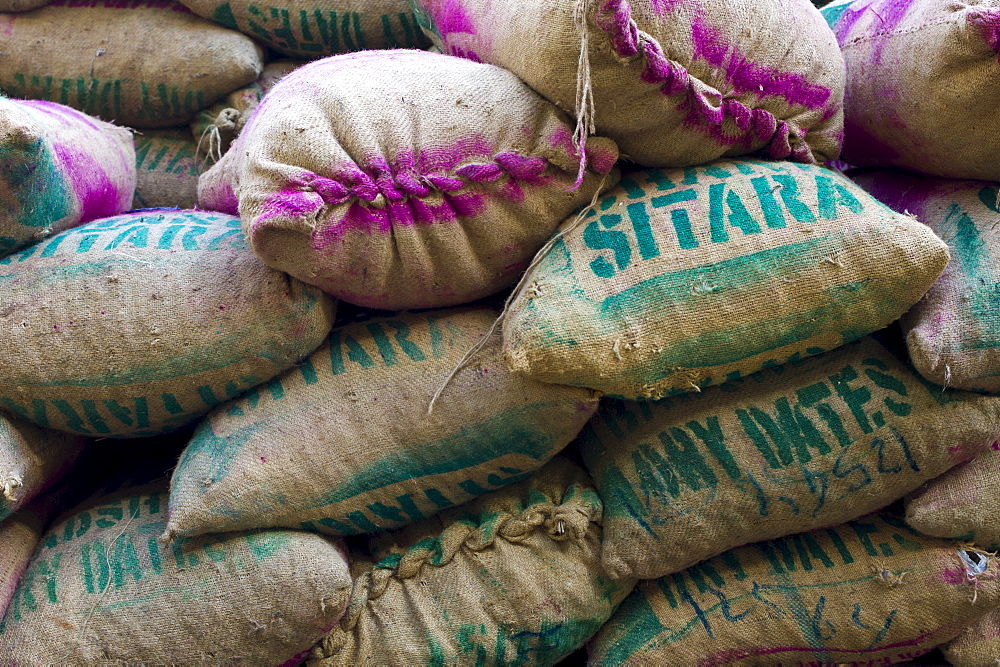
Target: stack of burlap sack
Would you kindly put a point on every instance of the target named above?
(572, 330)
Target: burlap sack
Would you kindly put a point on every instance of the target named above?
(31, 458)
(140, 323)
(792, 448)
(19, 535)
(60, 168)
(167, 169)
(436, 198)
(512, 578)
(962, 504)
(921, 84)
(673, 83)
(21, 5)
(215, 127)
(343, 444)
(143, 63)
(978, 645)
(871, 592)
(311, 29)
(102, 589)
(685, 278)
(953, 333)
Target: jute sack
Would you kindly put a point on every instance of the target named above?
(21, 5)
(19, 535)
(673, 83)
(791, 448)
(953, 333)
(139, 323)
(512, 578)
(870, 592)
(60, 168)
(311, 29)
(962, 504)
(978, 645)
(167, 169)
(437, 200)
(215, 127)
(938, 113)
(31, 458)
(143, 63)
(102, 589)
(680, 279)
(343, 444)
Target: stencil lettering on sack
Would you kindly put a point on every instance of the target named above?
(127, 551)
(95, 418)
(777, 200)
(176, 230)
(170, 156)
(788, 435)
(379, 516)
(322, 31)
(103, 98)
(781, 596)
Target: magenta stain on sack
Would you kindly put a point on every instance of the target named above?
(886, 15)
(98, 195)
(902, 192)
(601, 157)
(956, 577)
(661, 7)
(987, 21)
(7, 24)
(746, 76)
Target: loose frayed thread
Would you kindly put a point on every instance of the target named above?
(585, 109)
(516, 292)
(976, 566)
(10, 485)
(228, 120)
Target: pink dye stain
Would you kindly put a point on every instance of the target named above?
(263, 460)
(450, 17)
(953, 577)
(7, 24)
(903, 192)
(987, 20)
(995, 446)
(383, 194)
(745, 76)
(99, 197)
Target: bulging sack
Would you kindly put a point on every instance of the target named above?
(978, 645)
(60, 168)
(19, 535)
(512, 578)
(158, 316)
(167, 169)
(962, 503)
(953, 333)
(31, 459)
(437, 200)
(871, 592)
(938, 113)
(311, 29)
(684, 278)
(343, 444)
(102, 589)
(142, 63)
(788, 449)
(673, 83)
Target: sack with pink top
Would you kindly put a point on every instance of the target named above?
(60, 168)
(404, 179)
(673, 82)
(921, 84)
